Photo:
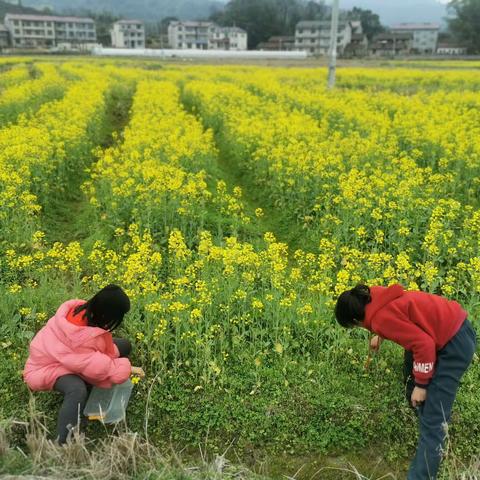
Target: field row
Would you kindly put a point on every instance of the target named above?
(229, 316)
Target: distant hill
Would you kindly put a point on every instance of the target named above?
(6, 7)
(390, 11)
(152, 10)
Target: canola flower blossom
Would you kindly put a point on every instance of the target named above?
(37, 153)
(379, 179)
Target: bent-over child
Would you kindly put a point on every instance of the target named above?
(437, 334)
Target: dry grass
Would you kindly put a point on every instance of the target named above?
(118, 456)
(128, 455)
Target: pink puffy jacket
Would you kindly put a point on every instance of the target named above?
(62, 348)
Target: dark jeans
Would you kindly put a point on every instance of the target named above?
(435, 413)
(75, 391)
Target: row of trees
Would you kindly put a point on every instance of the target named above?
(464, 25)
(265, 18)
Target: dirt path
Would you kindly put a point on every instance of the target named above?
(67, 218)
(273, 219)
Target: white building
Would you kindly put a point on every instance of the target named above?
(192, 35)
(128, 34)
(229, 38)
(451, 49)
(314, 36)
(49, 31)
(206, 36)
(425, 35)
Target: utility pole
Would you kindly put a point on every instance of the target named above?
(333, 45)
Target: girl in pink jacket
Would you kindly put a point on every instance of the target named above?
(75, 349)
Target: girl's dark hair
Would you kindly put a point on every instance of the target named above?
(350, 308)
(106, 308)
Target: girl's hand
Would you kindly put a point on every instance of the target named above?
(138, 371)
(375, 342)
(419, 395)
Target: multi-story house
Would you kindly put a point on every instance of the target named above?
(128, 34)
(49, 31)
(314, 36)
(425, 35)
(229, 38)
(206, 36)
(195, 35)
(391, 44)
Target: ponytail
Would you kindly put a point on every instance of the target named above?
(350, 307)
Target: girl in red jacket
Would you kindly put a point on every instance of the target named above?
(442, 342)
(75, 349)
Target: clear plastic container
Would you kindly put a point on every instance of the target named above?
(108, 404)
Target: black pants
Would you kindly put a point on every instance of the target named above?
(75, 391)
(452, 361)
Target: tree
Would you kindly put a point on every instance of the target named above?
(370, 21)
(260, 18)
(315, 11)
(465, 26)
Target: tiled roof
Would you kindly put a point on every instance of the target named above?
(47, 18)
(129, 22)
(233, 29)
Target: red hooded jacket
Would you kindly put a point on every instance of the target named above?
(420, 322)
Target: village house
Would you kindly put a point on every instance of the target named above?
(45, 31)
(425, 35)
(128, 34)
(391, 44)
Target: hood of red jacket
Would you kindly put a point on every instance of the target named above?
(381, 296)
(69, 333)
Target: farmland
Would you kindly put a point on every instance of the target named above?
(234, 204)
